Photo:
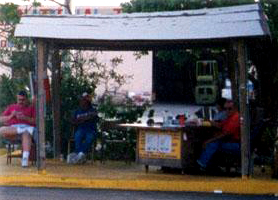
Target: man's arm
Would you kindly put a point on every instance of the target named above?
(217, 137)
(21, 116)
(216, 123)
(4, 118)
(90, 116)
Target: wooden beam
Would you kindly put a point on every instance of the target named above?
(56, 102)
(233, 70)
(136, 45)
(40, 104)
(275, 170)
(245, 136)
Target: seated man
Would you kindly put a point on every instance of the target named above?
(19, 120)
(221, 112)
(228, 139)
(85, 122)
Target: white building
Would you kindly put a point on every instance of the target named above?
(5, 70)
(140, 70)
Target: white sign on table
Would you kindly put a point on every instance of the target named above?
(158, 143)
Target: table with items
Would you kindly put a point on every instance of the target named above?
(172, 146)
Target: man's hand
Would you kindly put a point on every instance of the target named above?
(217, 136)
(208, 141)
(13, 114)
(20, 115)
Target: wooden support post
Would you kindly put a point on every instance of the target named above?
(56, 101)
(275, 170)
(245, 136)
(40, 104)
(233, 71)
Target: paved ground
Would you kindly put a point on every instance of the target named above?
(25, 193)
(119, 175)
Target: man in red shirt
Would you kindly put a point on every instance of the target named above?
(19, 120)
(228, 139)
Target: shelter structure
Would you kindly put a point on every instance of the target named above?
(233, 27)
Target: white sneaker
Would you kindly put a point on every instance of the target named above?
(81, 158)
(24, 162)
(72, 158)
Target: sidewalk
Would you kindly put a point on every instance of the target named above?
(119, 175)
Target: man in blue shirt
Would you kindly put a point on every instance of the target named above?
(85, 122)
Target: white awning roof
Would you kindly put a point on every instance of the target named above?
(215, 23)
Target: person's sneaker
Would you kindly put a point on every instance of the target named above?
(81, 158)
(72, 158)
(24, 162)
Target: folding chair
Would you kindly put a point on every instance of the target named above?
(11, 150)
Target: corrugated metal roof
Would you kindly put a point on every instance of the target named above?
(216, 23)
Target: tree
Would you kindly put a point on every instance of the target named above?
(271, 10)
(66, 5)
(8, 18)
(171, 5)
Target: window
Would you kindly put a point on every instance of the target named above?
(10, 44)
(60, 10)
(117, 10)
(3, 43)
(87, 11)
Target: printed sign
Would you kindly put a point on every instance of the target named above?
(160, 144)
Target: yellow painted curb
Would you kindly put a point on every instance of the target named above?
(237, 186)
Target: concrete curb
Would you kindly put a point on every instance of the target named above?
(236, 186)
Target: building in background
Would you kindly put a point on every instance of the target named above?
(4, 45)
(78, 10)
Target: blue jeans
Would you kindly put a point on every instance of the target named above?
(83, 138)
(214, 146)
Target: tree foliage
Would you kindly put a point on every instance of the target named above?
(9, 17)
(271, 11)
(173, 5)
(8, 90)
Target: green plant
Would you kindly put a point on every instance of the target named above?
(8, 90)
(267, 144)
(122, 142)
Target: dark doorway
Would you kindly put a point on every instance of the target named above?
(174, 76)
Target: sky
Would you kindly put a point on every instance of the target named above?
(75, 2)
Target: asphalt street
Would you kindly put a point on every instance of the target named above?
(25, 193)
